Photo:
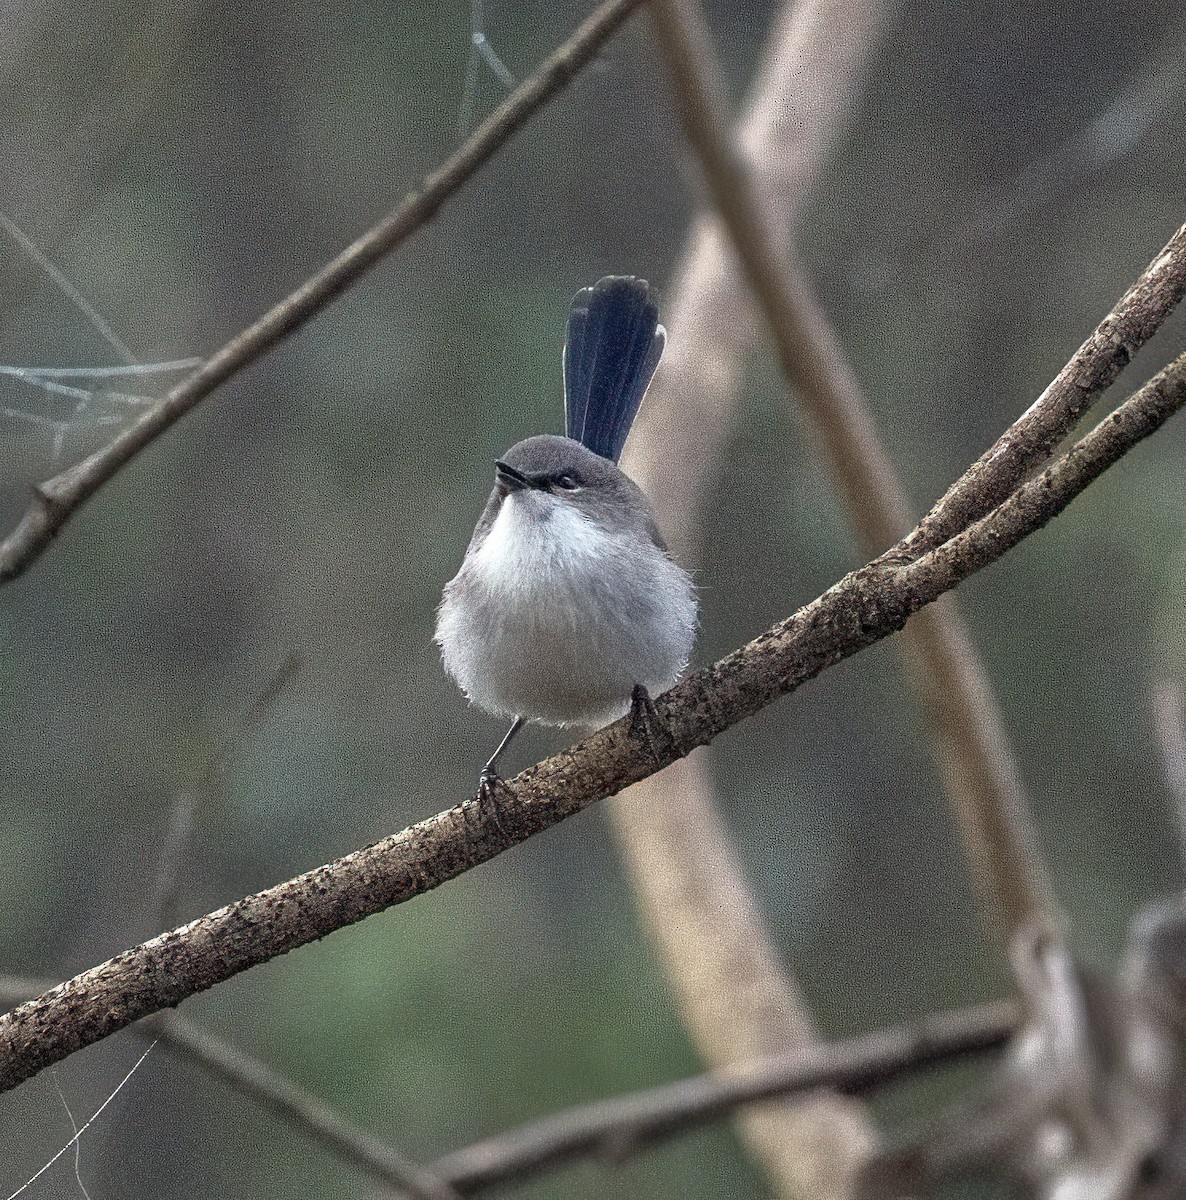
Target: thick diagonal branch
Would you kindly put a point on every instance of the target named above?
(1095, 366)
(862, 608)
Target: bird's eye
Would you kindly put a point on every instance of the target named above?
(566, 483)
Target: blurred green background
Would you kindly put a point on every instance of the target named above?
(188, 165)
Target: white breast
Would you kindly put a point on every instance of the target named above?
(556, 618)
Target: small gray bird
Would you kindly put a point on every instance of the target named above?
(568, 600)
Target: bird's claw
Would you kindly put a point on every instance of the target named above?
(489, 784)
(489, 781)
(649, 729)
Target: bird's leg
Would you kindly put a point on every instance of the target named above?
(489, 779)
(649, 728)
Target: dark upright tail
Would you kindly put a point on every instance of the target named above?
(613, 346)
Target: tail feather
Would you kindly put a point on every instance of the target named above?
(613, 346)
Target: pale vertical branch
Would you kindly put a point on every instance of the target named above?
(1169, 729)
(973, 752)
(735, 996)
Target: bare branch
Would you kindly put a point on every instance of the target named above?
(613, 1128)
(865, 606)
(250, 1077)
(68, 289)
(56, 500)
(974, 755)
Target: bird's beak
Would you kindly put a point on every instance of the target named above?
(508, 479)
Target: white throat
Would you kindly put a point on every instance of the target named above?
(534, 535)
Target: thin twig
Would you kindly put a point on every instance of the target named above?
(865, 606)
(250, 1077)
(309, 1113)
(97, 322)
(626, 1124)
(57, 499)
(80, 1130)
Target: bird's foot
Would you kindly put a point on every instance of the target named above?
(649, 729)
(490, 783)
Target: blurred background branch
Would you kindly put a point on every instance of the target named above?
(973, 751)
